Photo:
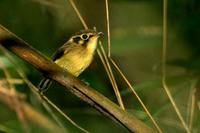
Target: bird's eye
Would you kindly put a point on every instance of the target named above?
(84, 36)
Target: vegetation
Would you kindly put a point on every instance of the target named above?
(156, 48)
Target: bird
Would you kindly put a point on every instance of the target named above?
(75, 55)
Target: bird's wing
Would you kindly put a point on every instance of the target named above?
(61, 51)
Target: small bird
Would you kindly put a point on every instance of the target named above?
(75, 55)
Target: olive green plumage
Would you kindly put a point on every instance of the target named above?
(75, 55)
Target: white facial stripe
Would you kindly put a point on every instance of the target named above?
(80, 42)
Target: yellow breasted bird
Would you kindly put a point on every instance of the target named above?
(75, 55)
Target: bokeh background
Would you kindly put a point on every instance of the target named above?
(136, 39)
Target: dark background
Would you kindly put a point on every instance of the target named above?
(136, 39)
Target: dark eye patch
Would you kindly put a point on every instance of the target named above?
(91, 36)
(76, 39)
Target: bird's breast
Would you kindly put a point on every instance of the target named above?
(75, 61)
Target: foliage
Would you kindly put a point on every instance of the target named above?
(136, 39)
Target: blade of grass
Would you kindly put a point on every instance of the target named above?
(109, 70)
(63, 114)
(78, 14)
(35, 91)
(30, 113)
(123, 76)
(115, 87)
(86, 93)
(18, 109)
(164, 53)
(105, 66)
(29, 84)
(191, 104)
(5, 129)
(137, 96)
(13, 81)
(171, 123)
(108, 27)
(192, 107)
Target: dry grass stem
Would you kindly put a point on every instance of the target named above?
(115, 87)
(77, 87)
(63, 114)
(113, 81)
(107, 66)
(30, 114)
(192, 108)
(108, 26)
(40, 97)
(78, 14)
(12, 81)
(18, 109)
(137, 96)
(164, 54)
(107, 71)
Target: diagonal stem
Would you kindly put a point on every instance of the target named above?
(164, 53)
(71, 83)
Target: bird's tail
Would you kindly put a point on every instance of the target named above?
(44, 84)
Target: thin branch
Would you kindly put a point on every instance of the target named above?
(106, 64)
(137, 96)
(12, 81)
(113, 81)
(30, 113)
(164, 53)
(18, 108)
(63, 114)
(78, 13)
(40, 97)
(192, 108)
(77, 87)
(108, 27)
